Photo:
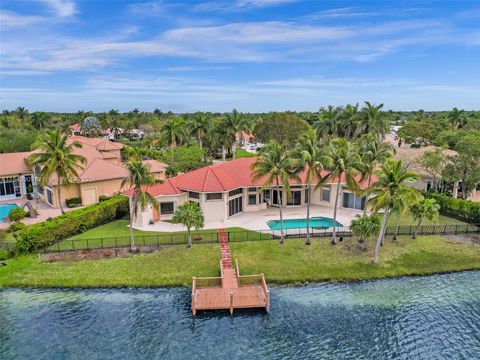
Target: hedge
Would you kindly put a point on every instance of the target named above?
(460, 208)
(48, 232)
(73, 202)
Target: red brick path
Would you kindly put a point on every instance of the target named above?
(225, 247)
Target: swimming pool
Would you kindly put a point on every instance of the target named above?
(315, 222)
(5, 210)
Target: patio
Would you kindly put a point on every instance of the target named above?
(45, 211)
(257, 220)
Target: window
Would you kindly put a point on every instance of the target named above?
(9, 186)
(166, 208)
(306, 196)
(295, 198)
(49, 197)
(266, 194)
(235, 192)
(193, 195)
(235, 206)
(353, 201)
(252, 189)
(252, 199)
(214, 196)
(276, 197)
(326, 194)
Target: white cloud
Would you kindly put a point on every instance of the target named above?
(10, 20)
(62, 8)
(238, 5)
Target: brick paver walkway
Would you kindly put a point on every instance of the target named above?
(225, 247)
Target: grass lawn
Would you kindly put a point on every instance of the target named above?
(116, 233)
(291, 263)
(243, 154)
(407, 219)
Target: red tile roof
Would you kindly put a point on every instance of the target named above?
(218, 178)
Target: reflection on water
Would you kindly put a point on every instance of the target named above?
(436, 317)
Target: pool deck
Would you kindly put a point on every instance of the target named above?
(257, 220)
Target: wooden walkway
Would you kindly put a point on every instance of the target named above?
(231, 290)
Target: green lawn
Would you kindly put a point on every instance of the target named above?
(407, 219)
(116, 234)
(243, 154)
(291, 263)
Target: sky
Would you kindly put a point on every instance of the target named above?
(252, 55)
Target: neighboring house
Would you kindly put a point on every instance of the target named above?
(101, 175)
(16, 178)
(244, 138)
(226, 189)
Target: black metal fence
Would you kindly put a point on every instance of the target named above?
(208, 237)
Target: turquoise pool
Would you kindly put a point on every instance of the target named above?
(5, 210)
(315, 222)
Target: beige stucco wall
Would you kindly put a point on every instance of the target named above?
(214, 210)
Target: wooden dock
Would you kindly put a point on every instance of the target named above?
(230, 291)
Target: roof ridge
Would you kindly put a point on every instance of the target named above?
(221, 184)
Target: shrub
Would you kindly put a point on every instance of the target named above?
(16, 215)
(73, 202)
(46, 233)
(460, 208)
(104, 198)
(4, 254)
(16, 227)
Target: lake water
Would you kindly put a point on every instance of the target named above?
(436, 317)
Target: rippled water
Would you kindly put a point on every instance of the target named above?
(435, 317)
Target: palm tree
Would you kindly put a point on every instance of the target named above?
(373, 121)
(373, 152)
(221, 137)
(349, 120)
(344, 161)
(189, 214)
(56, 157)
(457, 118)
(199, 126)
(365, 226)
(40, 120)
(138, 178)
(328, 123)
(173, 131)
(391, 185)
(22, 113)
(426, 208)
(313, 161)
(235, 123)
(274, 166)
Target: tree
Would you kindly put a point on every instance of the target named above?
(328, 123)
(425, 209)
(364, 226)
(91, 125)
(274, 166)
(22, 114)
(312, 160)
(350, 116)
(373, 152)
(434, 162)
(40, 120)
(56, 157)
(281, 127)
(374, 121)
(174, 132)
(138, 178)
(189, 214)
(392, 184)
(199, 126)
(233, 124)
(344, 161)
(457, 118)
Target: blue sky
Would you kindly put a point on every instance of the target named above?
(254, 55)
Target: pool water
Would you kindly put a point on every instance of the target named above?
(5, 210)
(315, 222)
(431, 317)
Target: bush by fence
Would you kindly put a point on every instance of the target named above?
(38, 236)
(459, 208)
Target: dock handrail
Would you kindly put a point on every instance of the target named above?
(266, 292)
(237, 271)
(194, 289)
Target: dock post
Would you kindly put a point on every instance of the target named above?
(194, 308)
(231, 302)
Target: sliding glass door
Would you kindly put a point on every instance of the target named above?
(235, 206)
